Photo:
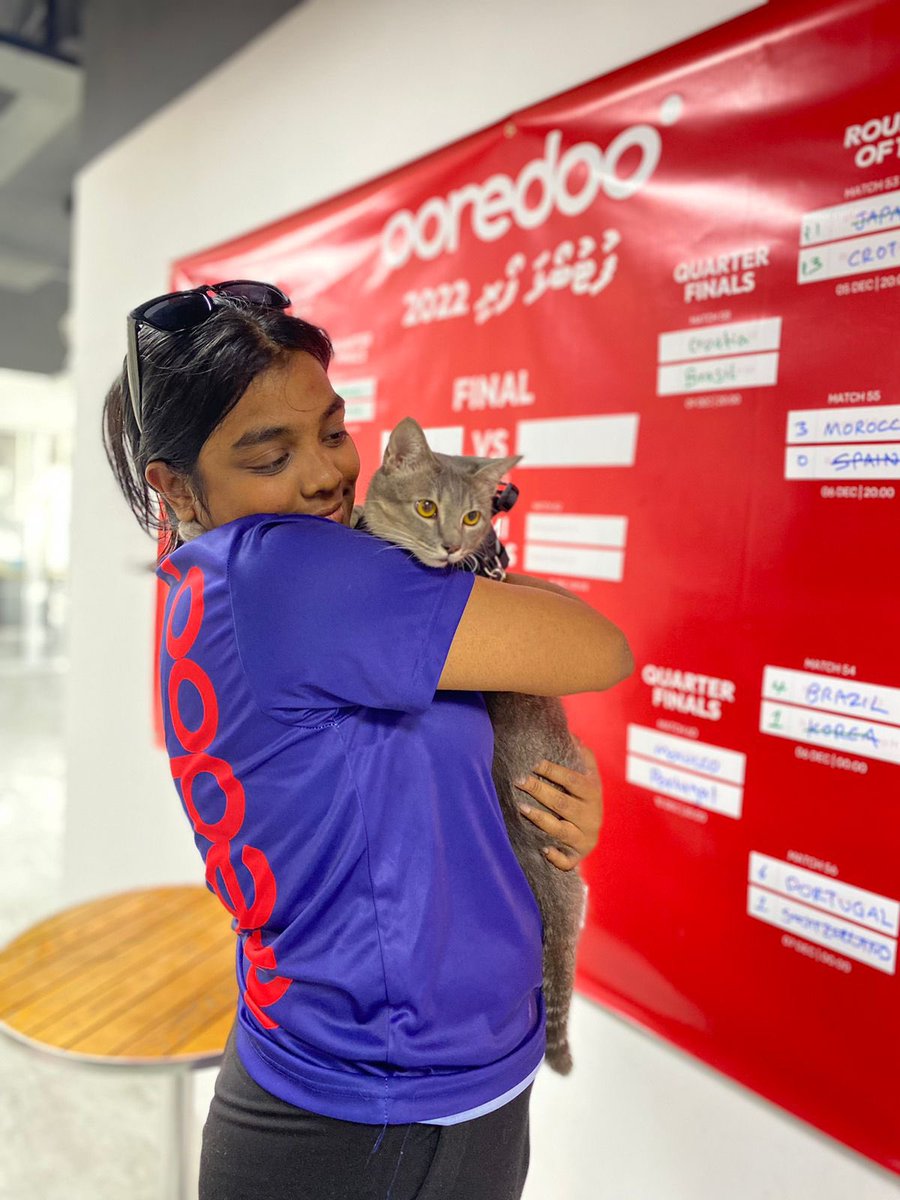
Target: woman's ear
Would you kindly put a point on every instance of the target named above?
(174, 486)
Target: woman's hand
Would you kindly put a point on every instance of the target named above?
(579, 807)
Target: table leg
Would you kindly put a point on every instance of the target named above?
(180, 1170)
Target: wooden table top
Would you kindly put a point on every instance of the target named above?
(144, 976)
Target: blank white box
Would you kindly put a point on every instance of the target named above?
(577, 561)
(608, 441)
(444, 439)
(576, 529)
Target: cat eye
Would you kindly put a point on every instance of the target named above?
(426, 508)
(472, 518)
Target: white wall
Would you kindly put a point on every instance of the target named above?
(36, 403)
(337, 92)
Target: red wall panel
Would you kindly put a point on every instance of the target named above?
(674, 291)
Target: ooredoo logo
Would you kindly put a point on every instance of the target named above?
(186, 768)
(566, 182)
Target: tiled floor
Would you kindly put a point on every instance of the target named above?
(67, 1132)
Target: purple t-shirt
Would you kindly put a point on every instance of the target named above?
(389, 946)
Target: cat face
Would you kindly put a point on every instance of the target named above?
(437, 506)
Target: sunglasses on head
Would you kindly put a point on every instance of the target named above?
(176, 311)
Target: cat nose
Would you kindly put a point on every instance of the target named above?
(451, 549)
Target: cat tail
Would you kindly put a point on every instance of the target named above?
(558, 972)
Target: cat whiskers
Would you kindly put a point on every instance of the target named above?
(397, 546)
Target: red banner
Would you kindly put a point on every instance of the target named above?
(674, 292)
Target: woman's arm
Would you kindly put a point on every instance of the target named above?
(532, 581)
(532, 640)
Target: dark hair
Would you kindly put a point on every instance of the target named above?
(190, 381)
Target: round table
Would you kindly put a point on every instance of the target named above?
(142, 979)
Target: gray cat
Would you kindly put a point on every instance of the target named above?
(438, 506)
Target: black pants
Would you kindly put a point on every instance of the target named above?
(255, 1145)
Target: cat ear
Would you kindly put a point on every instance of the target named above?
(407, 448)
(496, 468)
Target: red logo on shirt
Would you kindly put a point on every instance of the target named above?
(220, 873)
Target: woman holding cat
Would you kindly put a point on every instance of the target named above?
(331, 748)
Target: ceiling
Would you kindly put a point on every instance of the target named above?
(138, 57)
(41, 99)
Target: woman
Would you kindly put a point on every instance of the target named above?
(331, 748)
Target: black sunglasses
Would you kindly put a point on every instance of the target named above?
(176, 311)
